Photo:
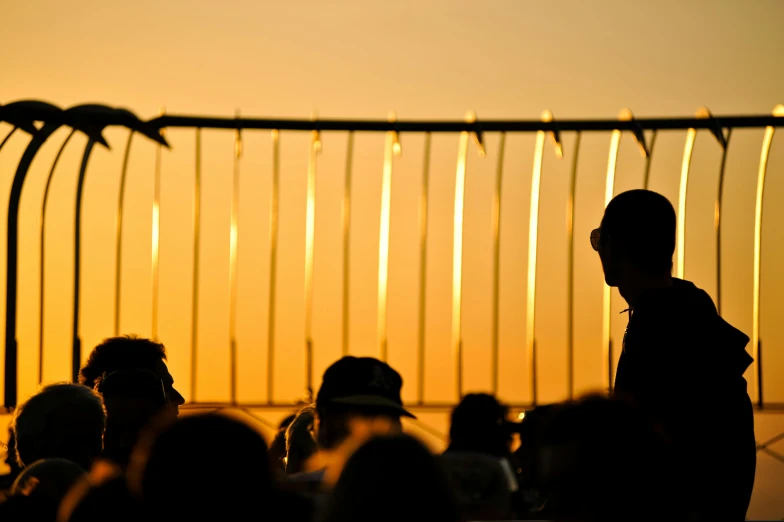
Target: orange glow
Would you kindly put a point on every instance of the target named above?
(356, 64)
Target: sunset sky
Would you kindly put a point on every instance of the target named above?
(431, 59)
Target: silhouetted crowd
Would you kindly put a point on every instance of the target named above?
(673, 440)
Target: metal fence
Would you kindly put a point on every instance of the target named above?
(40, 120)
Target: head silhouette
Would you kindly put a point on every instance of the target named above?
(392, 478)
(99, 499)
(359, 397)
(61, 421)
(603, 459)
(201, 466)
(130, 352)
(636, 237)
(479, 425)
(48, 479)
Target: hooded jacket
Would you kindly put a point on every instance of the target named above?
(684, 365)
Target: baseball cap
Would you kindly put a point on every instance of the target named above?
(362, 381)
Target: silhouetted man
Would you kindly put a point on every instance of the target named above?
(681, 362)
(126, 353)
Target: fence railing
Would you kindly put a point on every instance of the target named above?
(91, 120)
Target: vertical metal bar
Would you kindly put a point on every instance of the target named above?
(717, 217)
(233, 254)
(42, 271)
(423, 223)
(391, 149)
(646, 180)
(118, 229)
(346, 211)
(570, 266)
(457, 258)
(76, 352)
(310, 231)
(691, 136)
(156, 231)
(12, 261)
(196, 254)
(533, 233)
(274, 210)
(755, 328)
(609, 190)
(497, 263)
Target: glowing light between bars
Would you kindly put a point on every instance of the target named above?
(391, 148)
(763, 168)
(609, 189)
(688, 149)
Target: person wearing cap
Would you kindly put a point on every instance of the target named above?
(359, 398)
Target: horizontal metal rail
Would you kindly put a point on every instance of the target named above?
(735, 122)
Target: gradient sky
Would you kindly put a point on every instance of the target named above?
(359, 59)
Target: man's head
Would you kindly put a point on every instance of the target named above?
(130, 352)
(601, 459)
(166, 467)
(133, 398)
(359, 398)
(49, 478)
(479, 424)
(61, 421)
(637, 235)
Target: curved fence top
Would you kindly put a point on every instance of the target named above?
(40, 119)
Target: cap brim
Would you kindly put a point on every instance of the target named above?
(375, 400)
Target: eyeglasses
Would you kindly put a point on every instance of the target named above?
(596, 235)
